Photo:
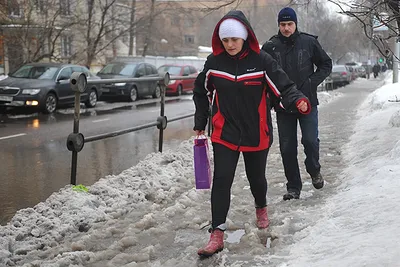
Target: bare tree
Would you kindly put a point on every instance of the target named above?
(149, 27)
(365, 12)
(98, 25)
(185, 19)
(31, 32)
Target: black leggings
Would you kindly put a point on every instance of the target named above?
(225, 162)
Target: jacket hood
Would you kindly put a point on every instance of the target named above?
(252, 41)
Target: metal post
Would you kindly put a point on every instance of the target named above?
(163, 83)
(396, 58)
(370, 46)
(162, 109)
(75, 141)
(74, 161)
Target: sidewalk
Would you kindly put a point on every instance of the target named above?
(151, 215)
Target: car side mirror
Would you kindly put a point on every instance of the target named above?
(62, 78)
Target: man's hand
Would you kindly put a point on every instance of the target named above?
(200, 132)
(302, 106)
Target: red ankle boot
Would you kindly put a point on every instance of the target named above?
(262, 218)
(215, 245)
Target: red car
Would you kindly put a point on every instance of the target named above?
(177, 87)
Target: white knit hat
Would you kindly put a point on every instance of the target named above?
(232, 28)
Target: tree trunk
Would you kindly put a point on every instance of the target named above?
(89, 41)
(150, 26)
(132, 29)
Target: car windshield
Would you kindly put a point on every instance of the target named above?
(119, 69)
(35, 72)
(172, 70)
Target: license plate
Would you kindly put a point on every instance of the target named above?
(106, 90)
(6, 98)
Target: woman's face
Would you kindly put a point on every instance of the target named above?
(233, 45)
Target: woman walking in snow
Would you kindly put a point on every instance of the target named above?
(237, 79)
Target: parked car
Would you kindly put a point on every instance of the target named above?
(340, 75)
(45, 86)
(177, 87)
(133, 90)
(362, 73)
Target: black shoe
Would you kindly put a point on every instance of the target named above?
(317, 181)
(291, 195)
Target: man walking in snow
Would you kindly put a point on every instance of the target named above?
(297, 53)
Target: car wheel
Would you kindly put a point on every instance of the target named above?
(157, 92)
(133, 95)
(179, 90)
(92, 99)
(50, 103)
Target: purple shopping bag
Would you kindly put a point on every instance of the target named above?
(202, 170)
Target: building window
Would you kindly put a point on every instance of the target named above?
(44, 48)
(189, 22)
(108, 32)
(41, 5)
(66, 46)
(189, 39)
(175, 21)
(14, 9)
(65, 7)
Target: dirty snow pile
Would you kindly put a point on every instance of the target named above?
(156, 179)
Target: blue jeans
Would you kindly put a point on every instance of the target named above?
(287, 128)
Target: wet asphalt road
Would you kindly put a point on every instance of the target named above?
(34, 160)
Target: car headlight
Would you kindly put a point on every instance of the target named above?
(119, 84)
(30, 91)
(172, 81)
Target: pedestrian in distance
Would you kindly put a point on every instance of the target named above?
(236, 82)
(375, 70)
(297, 53)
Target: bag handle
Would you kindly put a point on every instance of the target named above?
(201, 136)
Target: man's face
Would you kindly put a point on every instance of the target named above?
(287, 28)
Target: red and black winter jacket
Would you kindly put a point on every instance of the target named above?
(238, 88)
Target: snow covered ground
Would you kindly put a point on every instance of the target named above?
(125, 219)
(360, 223)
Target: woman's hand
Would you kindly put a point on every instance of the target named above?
(200, 132)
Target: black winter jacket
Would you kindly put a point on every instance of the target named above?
(297, 56)
(238, 88)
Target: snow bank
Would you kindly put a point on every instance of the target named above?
(360, 223)
(156, 179)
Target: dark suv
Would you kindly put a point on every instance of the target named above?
(46, 86)
(133, 90)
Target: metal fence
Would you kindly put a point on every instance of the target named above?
(79, 83)
(76, 140)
